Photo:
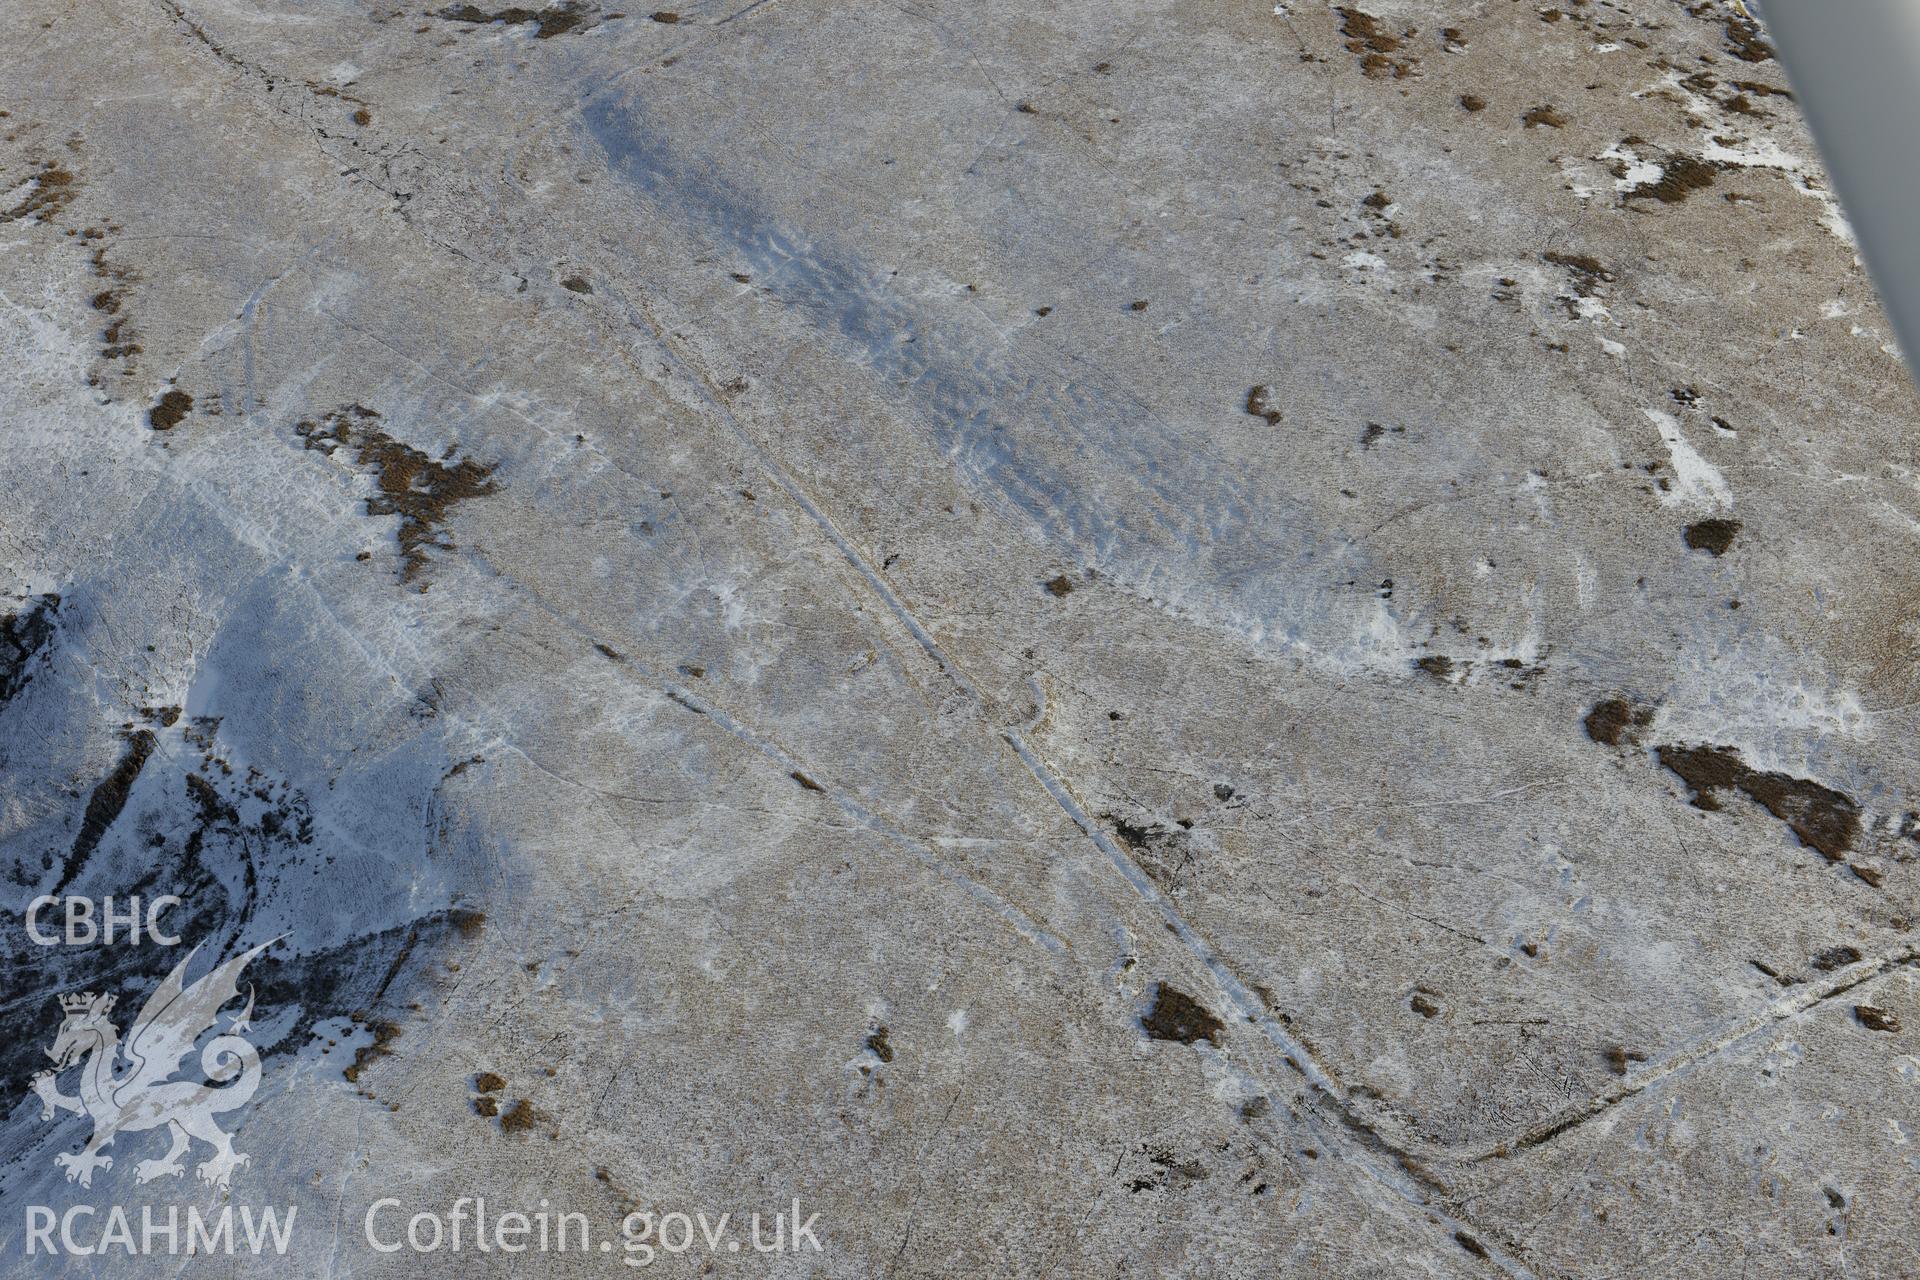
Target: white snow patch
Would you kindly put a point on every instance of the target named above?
(1638, 172)
(1579, 181)
(1747, 153)
(1696, 482)
(1759, 695)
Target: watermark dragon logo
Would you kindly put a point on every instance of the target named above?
(145, 1096)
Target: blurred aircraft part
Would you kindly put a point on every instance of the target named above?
(1855, 67)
